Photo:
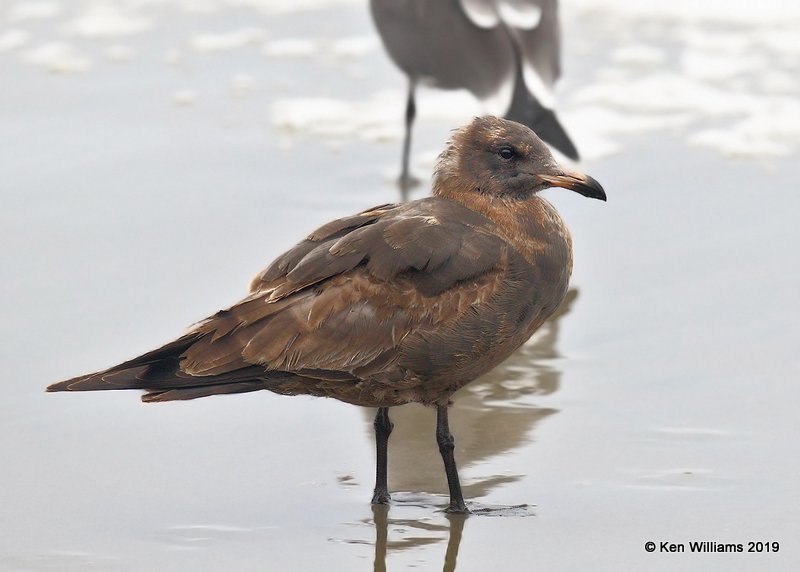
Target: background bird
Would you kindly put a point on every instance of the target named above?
(396, 304)
(506, 52)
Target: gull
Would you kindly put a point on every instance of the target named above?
(400, 303)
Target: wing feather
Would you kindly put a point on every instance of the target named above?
(334, 229)
(346, 303)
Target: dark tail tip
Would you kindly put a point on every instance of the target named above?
(60, 386)
(552, 132)
(526, 109)
(546, 125)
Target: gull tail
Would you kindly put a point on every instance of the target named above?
(158, 372)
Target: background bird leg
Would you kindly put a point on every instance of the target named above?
(383, 428)
(446, 445)
(406, 181)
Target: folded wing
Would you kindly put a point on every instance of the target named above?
(337, 306)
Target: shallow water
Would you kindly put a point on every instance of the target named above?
(148, 180)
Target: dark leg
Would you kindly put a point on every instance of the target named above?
(406, 180)
(383, 428)
(446, 446)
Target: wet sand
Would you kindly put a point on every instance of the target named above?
(143, 191)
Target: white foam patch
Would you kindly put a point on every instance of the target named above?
(765, 12)
(609, 121)
(344, 48)
(719, 41)
(733, 87)
(377, 118)
(199, 6)
(184, 97)
(208, 42)
(13, 39)
(119, 53)
(716, 67)
(33, 11)
(785, 41)
(665, 92)
(737, 144)
(242, 85)
(778, 118)
(454, 107)
(108, 20)
(721, 74)
(593, 128)
(291, 48)
(57, 57)
(353, 46)
(779, 82)
(339, 119)
(291, 6)
(770, 123)
(593, 145)
(173, 57)
(638, 56)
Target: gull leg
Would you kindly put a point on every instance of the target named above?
(383, 428)
(446, 445)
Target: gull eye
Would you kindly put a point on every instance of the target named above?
(506, 153)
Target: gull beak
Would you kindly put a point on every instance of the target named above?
(578, 182)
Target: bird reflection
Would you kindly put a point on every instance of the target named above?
(380, 513)
(495, 414)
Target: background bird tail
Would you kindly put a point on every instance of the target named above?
(528, 110)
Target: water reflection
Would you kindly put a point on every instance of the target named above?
(395, 535)
(406, 186)
(494, 414)
(382, 543)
